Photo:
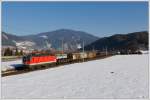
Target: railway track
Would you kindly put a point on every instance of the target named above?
(26, 70)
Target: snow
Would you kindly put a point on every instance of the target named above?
(25, 44)
(144, 51)
(44, 36)
(79, 46)
(121, 76)
(48, 44)
(5, 36)
(14, 41)
(9, 65)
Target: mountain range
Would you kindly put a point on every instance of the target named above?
(73, 40)
(70, 39)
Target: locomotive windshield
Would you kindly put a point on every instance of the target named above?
(26, 58)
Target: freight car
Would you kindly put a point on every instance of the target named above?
(78, 56)
(91, 55)
(61, 58)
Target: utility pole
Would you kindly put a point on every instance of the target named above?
(93, 49)
(62, 47)
(83, 51)
(106, 50)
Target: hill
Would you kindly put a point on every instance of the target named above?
(135, 40)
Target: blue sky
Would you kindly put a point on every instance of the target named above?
(97, 18)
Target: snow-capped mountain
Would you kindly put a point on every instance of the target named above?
(70, 39)
(25, 44)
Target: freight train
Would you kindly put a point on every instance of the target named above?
(38, 60)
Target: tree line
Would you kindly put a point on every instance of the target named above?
(10, 52)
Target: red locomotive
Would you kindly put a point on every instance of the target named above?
(38, 59)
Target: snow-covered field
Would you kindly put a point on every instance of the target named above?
(121, 76)
(10, 65)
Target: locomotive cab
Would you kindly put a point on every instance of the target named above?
(26, 59)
